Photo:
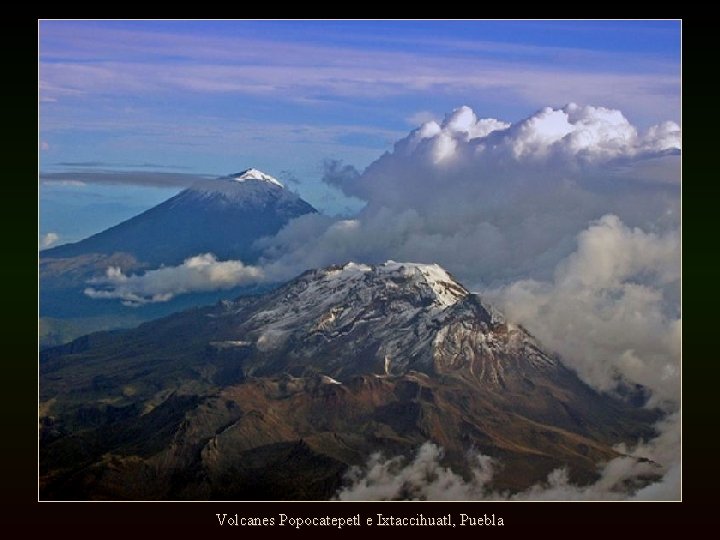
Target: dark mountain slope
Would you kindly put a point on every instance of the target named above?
(223, 217)
(275, 396)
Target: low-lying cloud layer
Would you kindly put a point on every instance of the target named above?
(426, 478)
(196, 274)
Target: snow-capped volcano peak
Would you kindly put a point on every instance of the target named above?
(401, 315)
(249, 188)
(431, 278)
(254, 174)
(446, 290)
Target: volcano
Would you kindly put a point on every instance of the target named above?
(275, 396)
(223, 216)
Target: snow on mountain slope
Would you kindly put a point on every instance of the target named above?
(396, 316)
(264, 395)
(250, 188)
(254, 174)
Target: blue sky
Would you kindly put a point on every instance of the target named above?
(204, 97)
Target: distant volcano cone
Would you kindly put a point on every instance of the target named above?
(224, 216)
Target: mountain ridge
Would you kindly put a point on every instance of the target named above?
(274, 396)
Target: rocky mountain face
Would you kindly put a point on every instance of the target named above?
(222, 216)
(275, 396)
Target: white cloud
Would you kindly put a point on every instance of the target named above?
(422, 479)
(64, 183)
(200, 273)
(667, 489)
(426, 478)
(495, 202)
(49, 239)
(485, 152)
(611, 309)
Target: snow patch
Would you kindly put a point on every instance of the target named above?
(229, 344)
(254, 174)
(251, 188)
(447, 290)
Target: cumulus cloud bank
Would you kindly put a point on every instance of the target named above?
(201, 273)
(494, 201)
(611, 310)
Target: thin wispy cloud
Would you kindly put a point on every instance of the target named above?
(108, 165)
(136, 61)
(118, 178)
(82, 164)
(393, 77)
(80, 39)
